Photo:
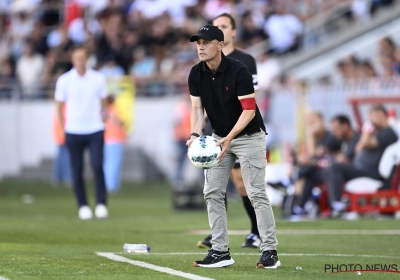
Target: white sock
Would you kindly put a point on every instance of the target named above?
(286, 181)
(338, 205)
(298, 210)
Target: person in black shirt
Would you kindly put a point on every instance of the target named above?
(376, 136)
(223, 87)
(347, 138)
(227, 24)
(320, 146)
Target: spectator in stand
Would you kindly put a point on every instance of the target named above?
(376, 136)
(90, 45)
(60, 50)
(110, 68)
(386, 57)
(213, 8)
(250, 34)
(130, 40)
(386, 66)
(348, 68)
(149, 9)
(21, 27)
(283, 30)
(366, 70)
(29, 72)
(110, 41)
(56, 36)
(144, 66)
(194, 19)
(387, 47)
(114, 139)
(177, 10)
(80, 28)
(38, 39)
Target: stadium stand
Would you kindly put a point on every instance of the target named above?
(335, 51)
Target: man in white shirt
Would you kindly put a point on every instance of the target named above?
(29, 71)
(283, 30)
(83, 91)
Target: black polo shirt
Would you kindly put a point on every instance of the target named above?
(247, 60)
(219, 93)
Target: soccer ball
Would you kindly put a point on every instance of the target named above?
(203, 152)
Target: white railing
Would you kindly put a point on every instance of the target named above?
(25, 127)
(11, 89)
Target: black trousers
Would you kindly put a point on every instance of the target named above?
(312, 176)
(339, 173)
(76, 144)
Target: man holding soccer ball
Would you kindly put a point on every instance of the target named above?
(227, 24)
(224, 88)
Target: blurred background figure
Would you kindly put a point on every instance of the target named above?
(30, 67)
(375, 137)
(114, 140)
(83, 92)
(181, 132)
(346, 138)
(320, 147)
(144, 66)
(110, 67)
(21, 26)
(283, 30)
(62, 165)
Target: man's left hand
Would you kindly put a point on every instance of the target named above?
(225, 143)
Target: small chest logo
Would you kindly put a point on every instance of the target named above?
(226, 88)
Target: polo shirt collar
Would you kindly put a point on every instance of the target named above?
(75, 72)
(222, 66)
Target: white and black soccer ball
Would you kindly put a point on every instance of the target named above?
(203, 152)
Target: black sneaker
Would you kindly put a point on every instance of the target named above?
(252, 241)
(269, 259)
(279, 187)
(215, 259)
(206, 243)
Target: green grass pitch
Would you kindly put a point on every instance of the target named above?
(46, 240)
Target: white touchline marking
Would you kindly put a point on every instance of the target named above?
(3, 278)
(167, 270)
(311, 231)
(279, 254)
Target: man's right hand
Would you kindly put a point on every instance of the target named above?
(190, 141)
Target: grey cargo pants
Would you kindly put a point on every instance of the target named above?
(251, 151)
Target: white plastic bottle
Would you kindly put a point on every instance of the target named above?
(136, 248)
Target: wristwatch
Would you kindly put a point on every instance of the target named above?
(194, 134)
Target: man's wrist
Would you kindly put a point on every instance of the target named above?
(194, 134)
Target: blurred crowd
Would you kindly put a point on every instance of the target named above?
(386, 64)
(147, 39)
